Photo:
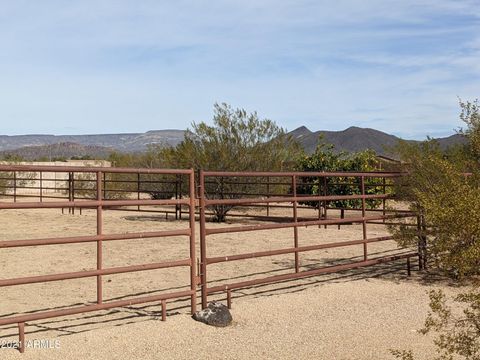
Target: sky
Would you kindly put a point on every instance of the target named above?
(115, 66)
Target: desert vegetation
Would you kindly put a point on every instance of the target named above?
(241, 141)
(443, 189)
(326, 159)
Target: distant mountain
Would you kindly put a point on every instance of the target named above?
(121, 142)
(357, 139)
(67, 146)
(64, 150)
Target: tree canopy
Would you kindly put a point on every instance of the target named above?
(236, 141)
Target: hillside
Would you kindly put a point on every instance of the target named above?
(121, 142)
(98, 146)
(61, 150)
(357, 139)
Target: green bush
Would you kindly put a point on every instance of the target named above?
(326, 159)
(448, 201)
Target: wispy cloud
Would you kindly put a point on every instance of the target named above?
(111, 66)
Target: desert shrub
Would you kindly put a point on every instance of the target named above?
(237, 141)
(158, 186)
(326, 159)
(457, 333)
(447, 200)
(470, 115)
(114, 185)
(9, 179)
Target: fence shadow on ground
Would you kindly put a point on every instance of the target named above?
(392, 271)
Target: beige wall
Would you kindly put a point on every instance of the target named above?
(51, 179)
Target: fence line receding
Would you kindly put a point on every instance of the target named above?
(99, 190)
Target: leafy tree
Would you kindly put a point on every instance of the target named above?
(326, 159)
(470, 115)
(445, 199)
(237, 141)
(448, 200)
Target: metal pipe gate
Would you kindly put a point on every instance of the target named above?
(100, 204)
(292, 199)
(289, 198)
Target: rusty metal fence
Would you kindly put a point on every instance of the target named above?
(43, 183)
(243, 193)
(100, 204)
(211, 198)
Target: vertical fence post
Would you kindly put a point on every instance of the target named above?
(319, 201)
(164, 310)
(99, 232)
(21, 337)
(138, 190)
(73, 191)
(295, 219)
(222, 196)
(193, 275)
(14, 186)
(41, 186)
(70, 191)
(384, 200)
(229, 298)
(181, 194)
(104, 186)
(424, 242)
(364, 221)
(203, 241)
(325, 204)
(420, 240)
(177, 207)
(342, 216)
(268, 195)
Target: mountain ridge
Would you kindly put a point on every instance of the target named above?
(351, 139)
(355, 138)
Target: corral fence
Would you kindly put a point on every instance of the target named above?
(69, 183)
(96, 178)
(264, 196)
(290, 193)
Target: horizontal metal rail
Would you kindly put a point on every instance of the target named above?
(93, 238)
(223, 230)
(302, 174)
(258, 254)
(98, 191)
(86, 169)
(217, 198)
(95, 307)
(90, 273)
(308, 273)
(90, 203)
(279, 199)
(92, 191)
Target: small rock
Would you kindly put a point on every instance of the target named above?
(216, 314)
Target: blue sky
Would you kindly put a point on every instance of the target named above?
(130, 66)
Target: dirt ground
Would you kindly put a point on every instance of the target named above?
(355, 314)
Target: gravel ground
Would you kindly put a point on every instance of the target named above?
(358, 314)
(348, 319)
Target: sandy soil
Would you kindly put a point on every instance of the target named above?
(357, 314)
